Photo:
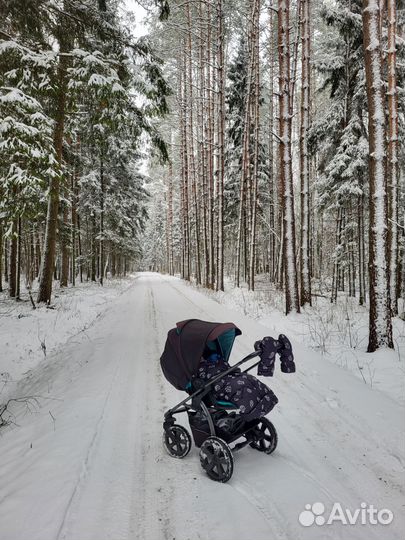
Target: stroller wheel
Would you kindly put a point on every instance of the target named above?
(177, 441)
(265, 437)
(216, 459)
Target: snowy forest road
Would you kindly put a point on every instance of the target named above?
(90, 465)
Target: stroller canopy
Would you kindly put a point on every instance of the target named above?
(185, 346)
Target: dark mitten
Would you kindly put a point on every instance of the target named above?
(286, 354)
(268, 347)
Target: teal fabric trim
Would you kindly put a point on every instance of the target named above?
(226, 404)
(212, 346)
(226, 342)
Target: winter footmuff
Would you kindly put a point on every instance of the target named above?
(253, 398)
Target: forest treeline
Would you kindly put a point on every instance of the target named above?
(78, 96)
(273, 131)
(285, 138)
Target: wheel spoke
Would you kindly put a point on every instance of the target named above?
(210, 465)
(221, 470)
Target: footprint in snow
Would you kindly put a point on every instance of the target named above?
(333, 404)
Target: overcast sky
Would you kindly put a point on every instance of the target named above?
(139, 14)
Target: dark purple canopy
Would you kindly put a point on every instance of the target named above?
(185, 345)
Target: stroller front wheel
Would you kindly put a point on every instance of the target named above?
(265, 437)
(177, 441)
(216, 459)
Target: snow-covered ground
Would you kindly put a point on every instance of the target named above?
(88, 462)
(27, 335)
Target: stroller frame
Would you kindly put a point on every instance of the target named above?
(197, 397)
(256, 431)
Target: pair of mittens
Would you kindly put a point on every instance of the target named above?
(268, 348)
(286, 354)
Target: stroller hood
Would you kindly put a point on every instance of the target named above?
(185, 345)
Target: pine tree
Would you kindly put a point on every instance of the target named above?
(340, 137)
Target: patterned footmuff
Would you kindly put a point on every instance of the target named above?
(253, 398)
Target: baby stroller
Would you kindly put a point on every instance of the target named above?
(216, 425)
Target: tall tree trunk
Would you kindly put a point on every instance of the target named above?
(102, 204)
(12, 280)
(170, 220)
(380, 327)
(305, 296)
(6, 260)
(243, 219)
(64, 244)
(19, 253)
(74, 224)
(93, 248)
(256, 128)
(79, 246)
(1, 255)
(202, 140)
(49, 250)
(285, 160)
(392, 164)
(190, 139)
(210, 148)
(360, 243)
(221, 146)
(185, 169)
(272, 184)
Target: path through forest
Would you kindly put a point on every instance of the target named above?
(89, 465)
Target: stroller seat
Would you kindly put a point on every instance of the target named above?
(209, 399)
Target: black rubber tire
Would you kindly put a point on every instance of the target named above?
(267, 437)
(177, 441)
(216, 459)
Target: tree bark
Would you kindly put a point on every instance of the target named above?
(18, 264)
(305, 296)
(1, 256)
(285, 160)
(392, 164)
(12, 279)
(256, 131)
(102, 204)
(64, 244)
(380, 327)
(221, 146)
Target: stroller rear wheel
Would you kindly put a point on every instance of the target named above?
(265, 436)
(216, 459)
(177, 441)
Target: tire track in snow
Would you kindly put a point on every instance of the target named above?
(153, 521)
(87, 461)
